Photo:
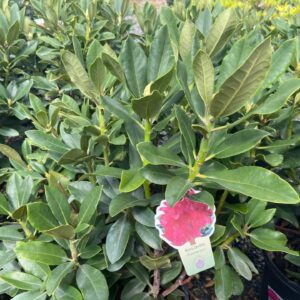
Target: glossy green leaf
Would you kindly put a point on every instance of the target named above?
(169, 274)
(21, 280)
(42, 252)
(113, 66)
(239, 142)
(11, 154)
(281, 60)
(10, 233)
(204, 74)
(156, 174)
(243, 83)
(46, 141)
(91, 283)
(40, 216)
(176, 189)
(147, 107)
(159, 155)
(39, 270)
(236, 56)
(223, 283)
(117, 239)
(155, 263)
(270, 240)
(203, 197)
(62, 231)
(78, 75)
(239, 262)
(4, 206)
(89, 205)
(131, 180)
(144, 215)
(134, 62)
(219, 258)
(57, 275)
(221, 31)
(124, 201)
(161, 57)
(255, 182)
(275, 101)
(31, 295)
(19, 190)
(58, 204)
(149, 236)
(68, 293)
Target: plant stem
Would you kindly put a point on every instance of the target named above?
(230, 239)
(221, 202)
(26, 230)
(147, 138)
(73, 249)
(103, 133)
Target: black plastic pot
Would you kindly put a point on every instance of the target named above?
(276, 286)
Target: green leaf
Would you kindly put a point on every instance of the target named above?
(275, 101)
(257, 214)
(255, 182)
(161, 57)
(79, 76)
(219, 258)
(155, 263)
(113, 66)
(236, 56)
(149, 236)
(134, 62)
(169, 274)
(204, 74)
(147, 107)
(42, 252)
(243, 83)
(40, 216)
(21, 280)
(68, 293)
(270, 240)
(37, 269)
(98, 74)
(237, 143)
(204, 21)
(124, 201)
(108, 171)
(167, 17)
(159, 155)
(187, 132)
(223, 283)
(203, 197)
(117, 239)
(90, 251)
(10, 233)
(176, 189)
(280, 62)
(91, 283)
(239, 262)
(19, 190)
(13, 32)
(218, 233)
(57, 275)
(131, 180)
(221, 31)
(144, 216)
(186, 40)
(46, 141)
(32, 295)
(58, 204)
(72, 156)
(63, 232)
(4, 207)
(12, 154)
(156, 174)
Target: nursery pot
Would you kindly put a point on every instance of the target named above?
(276, 286)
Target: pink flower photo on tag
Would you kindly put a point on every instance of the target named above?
(185, 221)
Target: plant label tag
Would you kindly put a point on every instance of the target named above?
(187, 226)
(197, 256)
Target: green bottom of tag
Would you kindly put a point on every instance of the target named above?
(197, 256)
